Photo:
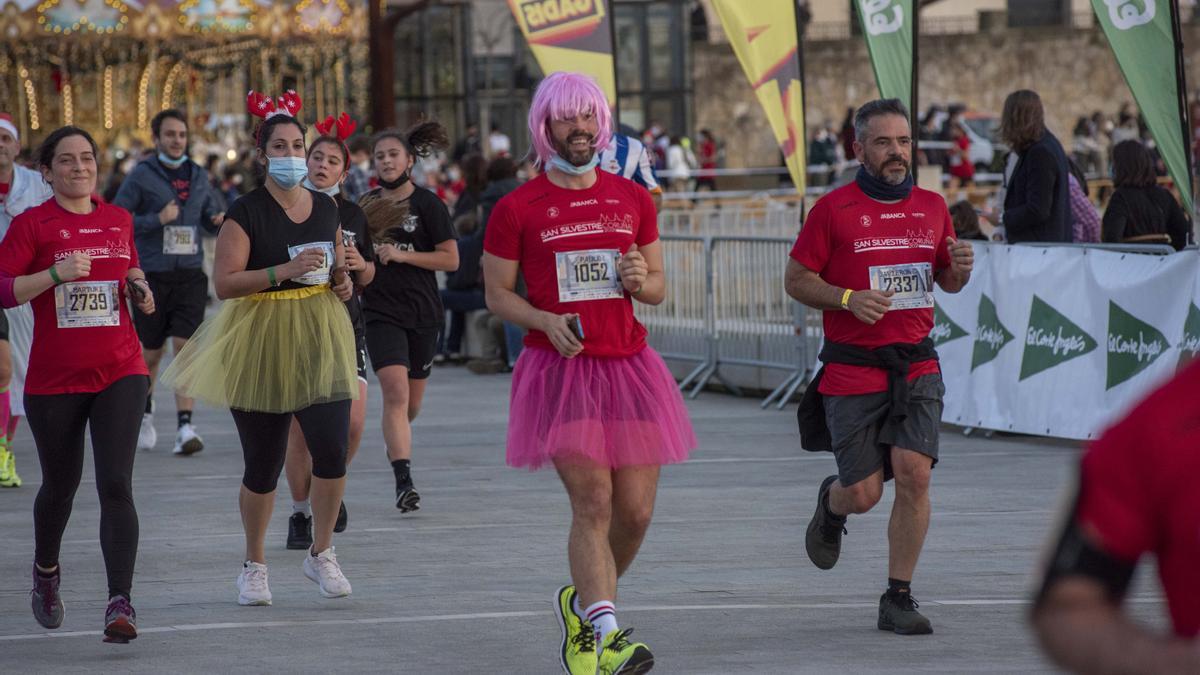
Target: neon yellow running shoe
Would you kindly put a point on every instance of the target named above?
(619, 656)
(11, 478)
(3, 464)
(578, 654)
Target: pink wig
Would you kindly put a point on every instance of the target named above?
(564, 95)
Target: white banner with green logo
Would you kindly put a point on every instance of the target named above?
(1143, 39)
(1060, 341)
(888, 28)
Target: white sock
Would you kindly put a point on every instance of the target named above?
(603, 617)
(302, 507)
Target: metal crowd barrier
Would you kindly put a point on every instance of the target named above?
(726, 307)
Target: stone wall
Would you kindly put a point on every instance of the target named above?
(1073, 69)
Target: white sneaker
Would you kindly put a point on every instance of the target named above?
(187, 441)
(252, 585)
(147, 437)
(325, 571)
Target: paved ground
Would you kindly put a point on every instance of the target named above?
(464, 586)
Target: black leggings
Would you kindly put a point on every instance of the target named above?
(326, 428)
(57, 422)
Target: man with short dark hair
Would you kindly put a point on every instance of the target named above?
(868, 256)
(358, 180)
(171, 199)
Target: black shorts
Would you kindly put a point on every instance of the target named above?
(3, 327)
(180, 297)
(392, 345)
(855, 422)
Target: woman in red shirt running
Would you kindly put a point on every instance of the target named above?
(73, 257)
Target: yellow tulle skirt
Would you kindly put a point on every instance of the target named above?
(279, 351)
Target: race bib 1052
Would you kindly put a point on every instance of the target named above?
(588, 275)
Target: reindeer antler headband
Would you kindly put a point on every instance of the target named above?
(261, 105)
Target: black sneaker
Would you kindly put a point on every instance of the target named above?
(407, 498)
(342, 519)
(898, 613)
(48, 607)
(120, 621)
(823, 540)
(299, 532)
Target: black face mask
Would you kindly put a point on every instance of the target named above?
(394, 184)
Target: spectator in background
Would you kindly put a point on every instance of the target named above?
(1085, 219)
(958, 159)
(464, 287)
(1036, 204)
(358, 180)
(474, 180)
(502, 179)
(931, 129)
(822, 150)
(1086, 148)
(1127, 126)
(966, 221)
(1140, 209)
(470, 144)
(680, 163)
(847, 134)
(499, 144)
(708, 161)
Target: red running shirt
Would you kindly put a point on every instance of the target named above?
(848, 233)
(566, 242)
(81, 358)
(1138, 492)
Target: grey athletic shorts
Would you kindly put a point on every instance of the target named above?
(855, 422)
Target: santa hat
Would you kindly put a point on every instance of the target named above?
(6, 123)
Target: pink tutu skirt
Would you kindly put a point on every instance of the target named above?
(614, 412)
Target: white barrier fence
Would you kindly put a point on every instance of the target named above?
(1058, 341)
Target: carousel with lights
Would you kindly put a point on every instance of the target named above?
(110, 65)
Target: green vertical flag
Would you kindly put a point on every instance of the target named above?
(1142, 36)
(888, 26)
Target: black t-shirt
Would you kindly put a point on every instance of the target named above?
(180, 179)
(402, 294)
(354, 223)
(275, 239)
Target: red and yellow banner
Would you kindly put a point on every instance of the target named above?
(763, 35)
(569, 35)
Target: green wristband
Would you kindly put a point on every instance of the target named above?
(54, 276)
(271, 277)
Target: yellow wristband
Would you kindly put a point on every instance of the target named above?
(846, 299)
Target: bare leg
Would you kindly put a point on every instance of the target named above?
(326, 499)
(857, 498)
(634, 489)
(298, 464)
(181, 402)
(589, 487)
(910, 512)
(358, 420)
(397, 430)
(256, 514)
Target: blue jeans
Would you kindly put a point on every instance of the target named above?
(514, 337)
(458, 303)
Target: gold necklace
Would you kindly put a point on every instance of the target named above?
(295, 201)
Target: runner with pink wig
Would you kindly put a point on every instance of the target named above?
(563, 96)
(588, 395)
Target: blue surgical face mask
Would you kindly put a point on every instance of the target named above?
(567, 167)
(171, 163)
(287, 171)
(332, 190)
